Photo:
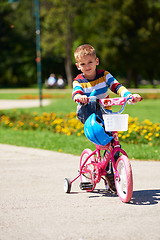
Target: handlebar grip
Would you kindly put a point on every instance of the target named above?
(141, 99)
(133, 98)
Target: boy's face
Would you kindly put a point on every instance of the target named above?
(87, 65)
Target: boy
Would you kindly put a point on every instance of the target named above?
(95, 80)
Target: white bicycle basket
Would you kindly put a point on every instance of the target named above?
(116, 122)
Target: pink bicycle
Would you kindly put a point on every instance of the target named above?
(114, 161)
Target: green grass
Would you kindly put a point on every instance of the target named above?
(70, 144)
(45, 140)
(147, 109)
(17, 94)
(14, 95)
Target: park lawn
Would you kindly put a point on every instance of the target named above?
(147, 109)
(34, 93)
(70, 144)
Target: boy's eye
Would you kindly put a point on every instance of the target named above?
(83, 64)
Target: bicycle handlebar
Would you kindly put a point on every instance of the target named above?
(108, 102)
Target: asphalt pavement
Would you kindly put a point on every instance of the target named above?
(33, 205)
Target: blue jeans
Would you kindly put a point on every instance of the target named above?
(84, 111)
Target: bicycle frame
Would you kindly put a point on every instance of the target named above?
(102, 162)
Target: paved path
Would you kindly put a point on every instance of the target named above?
(33, 205)
(8, 104)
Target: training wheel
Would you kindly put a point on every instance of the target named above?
(67, 185)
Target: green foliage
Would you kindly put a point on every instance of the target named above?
(126, 39)
(58, 31)
(125, 33)
(17, 62)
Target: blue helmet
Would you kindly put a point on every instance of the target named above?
(94, 130)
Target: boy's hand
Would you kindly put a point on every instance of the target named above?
(135, 98)
(83, 99)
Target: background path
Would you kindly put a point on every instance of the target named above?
(33, 205)
(8, 104)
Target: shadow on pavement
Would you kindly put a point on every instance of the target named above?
(146, 197)
(141, 197)
(102, 193)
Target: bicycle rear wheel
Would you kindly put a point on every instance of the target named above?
(86, 179)
(124, 184)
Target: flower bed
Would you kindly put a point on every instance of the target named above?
(139, 132)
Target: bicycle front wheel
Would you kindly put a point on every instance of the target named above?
(124, 183)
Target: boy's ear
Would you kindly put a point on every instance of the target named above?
(78, 66)
(97, 61)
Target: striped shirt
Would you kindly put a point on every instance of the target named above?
(100, 85)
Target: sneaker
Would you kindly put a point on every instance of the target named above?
(110, 180)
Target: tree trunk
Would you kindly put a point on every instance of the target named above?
(129, 78)
(69, 39)
(132, 77)
(68, 64)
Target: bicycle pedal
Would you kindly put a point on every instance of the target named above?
(86, 185)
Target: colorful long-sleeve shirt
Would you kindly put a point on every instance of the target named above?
(101, 84)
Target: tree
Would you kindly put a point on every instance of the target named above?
(150, 36)
(17, 63)
(123, 35)
(57, 31)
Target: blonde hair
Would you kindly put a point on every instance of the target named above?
(84, 50)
